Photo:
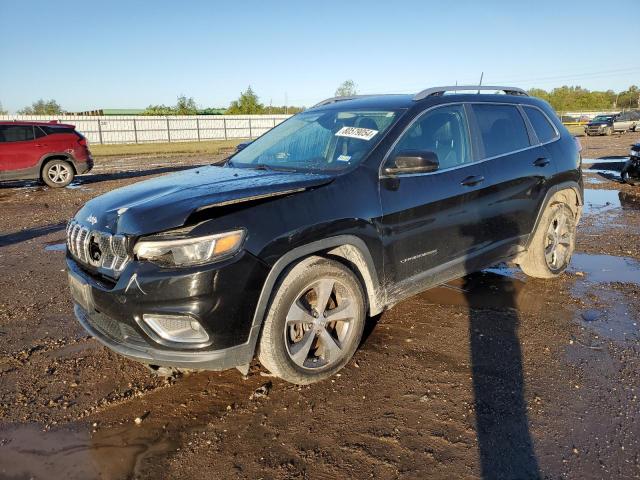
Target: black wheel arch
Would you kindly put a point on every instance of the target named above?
(568, 185)
(56, 156)
(350, 250)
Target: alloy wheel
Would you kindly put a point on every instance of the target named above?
(319, 324)
(59, 173)
(559, 240)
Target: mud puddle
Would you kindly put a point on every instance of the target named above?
(600, 200)
(121, 440)
(26, 451)
(499, 287)
(606, 268)
(56, 247)
(603, 287)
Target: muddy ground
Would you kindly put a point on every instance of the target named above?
(494, 375)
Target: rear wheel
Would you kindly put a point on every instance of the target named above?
(552, 244)
(57, 173)
(314, 323)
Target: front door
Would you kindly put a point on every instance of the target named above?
(429, 219)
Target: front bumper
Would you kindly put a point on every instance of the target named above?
(596, 130)
(221, 297)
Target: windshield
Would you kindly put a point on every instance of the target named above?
(602, 118)
(329, 140)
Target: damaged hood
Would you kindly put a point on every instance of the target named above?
(166, 202)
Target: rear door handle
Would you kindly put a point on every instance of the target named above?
(472, 180)
(542, 162)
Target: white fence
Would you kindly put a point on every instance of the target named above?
(148, 129)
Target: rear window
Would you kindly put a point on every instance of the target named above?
(16, 133)
(543, 128)
(502, 129)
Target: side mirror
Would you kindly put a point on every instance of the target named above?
(413, 161)
(242, 146)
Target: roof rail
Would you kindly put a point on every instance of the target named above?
(340, 99)
(438, 91)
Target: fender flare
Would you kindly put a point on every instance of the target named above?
(348, 247)
(569, 185)
(52, 155)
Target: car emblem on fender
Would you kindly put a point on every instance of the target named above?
(92, 219)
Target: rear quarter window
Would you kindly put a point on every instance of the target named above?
(502, 129)
(543, 128)
(49, 130)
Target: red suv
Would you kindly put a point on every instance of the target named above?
(51, 152)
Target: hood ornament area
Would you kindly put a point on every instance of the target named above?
(92, 219)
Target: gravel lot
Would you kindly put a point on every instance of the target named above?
(494, 375)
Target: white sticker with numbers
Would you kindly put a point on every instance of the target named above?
(355, 132)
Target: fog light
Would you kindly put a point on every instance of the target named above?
(176, 328)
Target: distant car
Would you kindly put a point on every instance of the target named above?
(608, 124)
(51, 152)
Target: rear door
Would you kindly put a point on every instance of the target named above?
(517, 167)
(18, 150)
(430, 219)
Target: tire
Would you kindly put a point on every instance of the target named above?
(57, 173)
(628, 179)
(553, 242)
(608, 131)
(295, 320)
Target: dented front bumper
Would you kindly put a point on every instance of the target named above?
(222, 297)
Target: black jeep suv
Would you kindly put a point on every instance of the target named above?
(334, 215)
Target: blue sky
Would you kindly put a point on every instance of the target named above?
(129, 54)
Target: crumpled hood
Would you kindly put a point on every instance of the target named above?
(166, 202)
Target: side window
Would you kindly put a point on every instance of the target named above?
(442, 131)
(502, 129)
(16, 133)
(39, 132)
(544, 130)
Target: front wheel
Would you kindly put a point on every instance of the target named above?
(57, 173)
(552, 244)
(630, 174)
(315, 322)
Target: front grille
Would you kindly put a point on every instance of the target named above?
(111, 254)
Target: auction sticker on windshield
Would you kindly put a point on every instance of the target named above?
(355, 132)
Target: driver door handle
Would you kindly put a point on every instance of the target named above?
(472, 180)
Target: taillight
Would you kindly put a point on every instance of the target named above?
(84, 142)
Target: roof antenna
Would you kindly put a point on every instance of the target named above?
(480, 84)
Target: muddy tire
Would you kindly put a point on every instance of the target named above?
(314, 323)
(626, 176)
(553, 242)
(57, 173)
(608, 131)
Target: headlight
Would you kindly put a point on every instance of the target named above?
(189, 251)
